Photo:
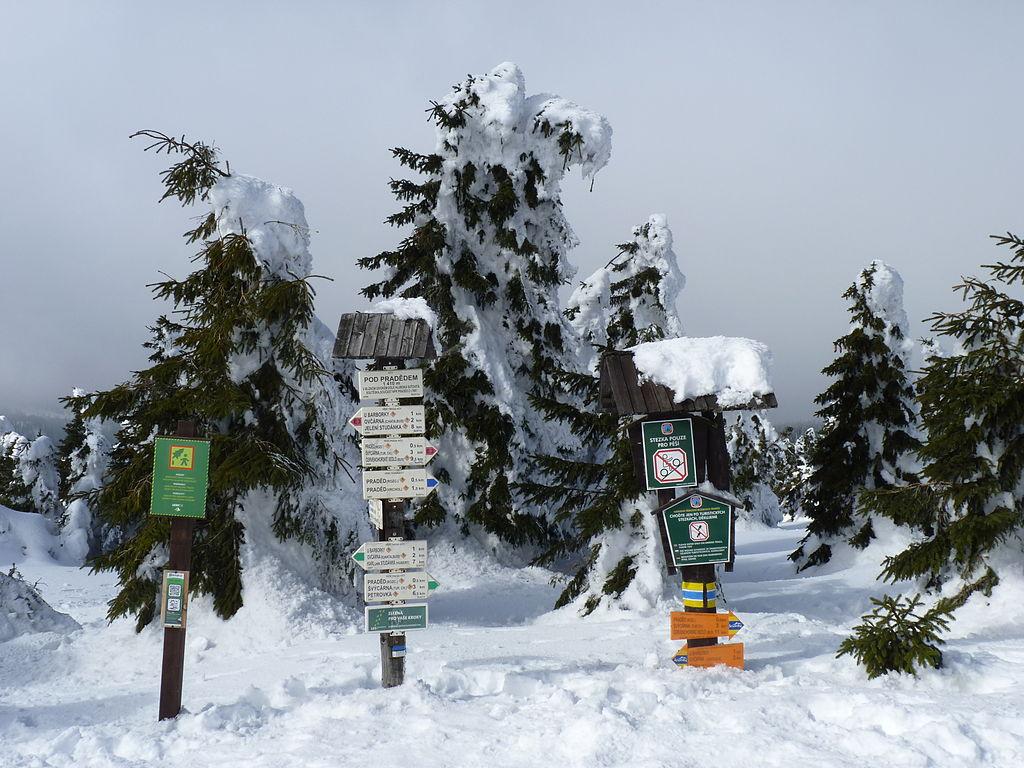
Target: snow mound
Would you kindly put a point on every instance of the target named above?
(23, 611)
(408, 309)
(734, 369)
(884, 296)
(271, 217)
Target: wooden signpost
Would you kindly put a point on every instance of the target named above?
(394, 453)
(680, 443)
(181, 467)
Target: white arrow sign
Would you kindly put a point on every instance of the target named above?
(396, 451)
(386, 384)
(382, 421)
(387, 587)
(389, 555)
(397, 484)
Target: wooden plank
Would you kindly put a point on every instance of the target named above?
(664, 397)
(408, 337)
(370, 335)
(344, 333)
(623, 406)
(355, 341)
(631, 378)
(380, 346)
(419, 345)
(394, 339)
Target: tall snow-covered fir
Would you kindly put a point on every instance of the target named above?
(29, 480)
(594, 491)
(968, 508)
(870, 432)
(248, 361)
(487, 251)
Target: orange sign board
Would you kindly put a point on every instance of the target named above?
(730, 654)
(698, 626)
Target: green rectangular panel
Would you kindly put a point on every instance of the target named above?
(698, 531)
(669, 456)
(396, 618)
(181, 470)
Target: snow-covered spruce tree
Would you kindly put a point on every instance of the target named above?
(14, 494)
(487, 252)
(28, 474)
(83, 456)
(594, 491)
(792, 482)
(870, 431)
(969, 505)
(755, 453)
(245, 358)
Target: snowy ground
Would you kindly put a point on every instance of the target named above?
(498, 681)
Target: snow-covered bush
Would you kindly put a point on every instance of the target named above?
(23, 610)
(29, 481)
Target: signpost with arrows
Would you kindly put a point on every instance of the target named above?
(394, 456)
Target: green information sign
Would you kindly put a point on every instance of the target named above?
(181, 469)
(396, 618)
(699, 530)
(175, 599)
(669, 458)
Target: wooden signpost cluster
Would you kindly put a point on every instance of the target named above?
(394, 456)
(681, 445)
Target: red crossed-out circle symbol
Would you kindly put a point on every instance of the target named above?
(670, 465)
(700, 531)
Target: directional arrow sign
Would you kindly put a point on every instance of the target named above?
(397, 484)
(389, 587)
(397, 451)
(699, 626)
(730, 654)
(381, 421)
(387, 555)
(386, 384)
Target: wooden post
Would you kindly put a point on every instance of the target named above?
(720, 473)
(392, 667)
(173, 667)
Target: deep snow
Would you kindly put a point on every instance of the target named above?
(499, 681)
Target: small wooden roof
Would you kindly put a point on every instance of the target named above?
(623, 393)
(365, 335)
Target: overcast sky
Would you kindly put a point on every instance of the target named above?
(789, 143)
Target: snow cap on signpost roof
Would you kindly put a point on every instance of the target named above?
(717, 373)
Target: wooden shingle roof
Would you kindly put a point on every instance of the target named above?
(380, 334)
(623, 393)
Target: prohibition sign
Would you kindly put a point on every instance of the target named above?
(700, 531)
(670, 465)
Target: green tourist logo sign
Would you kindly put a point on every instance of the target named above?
(181, 470)
(669, 459)
(699, 531)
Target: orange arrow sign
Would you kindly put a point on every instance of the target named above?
(730, 654)
(698, 626)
